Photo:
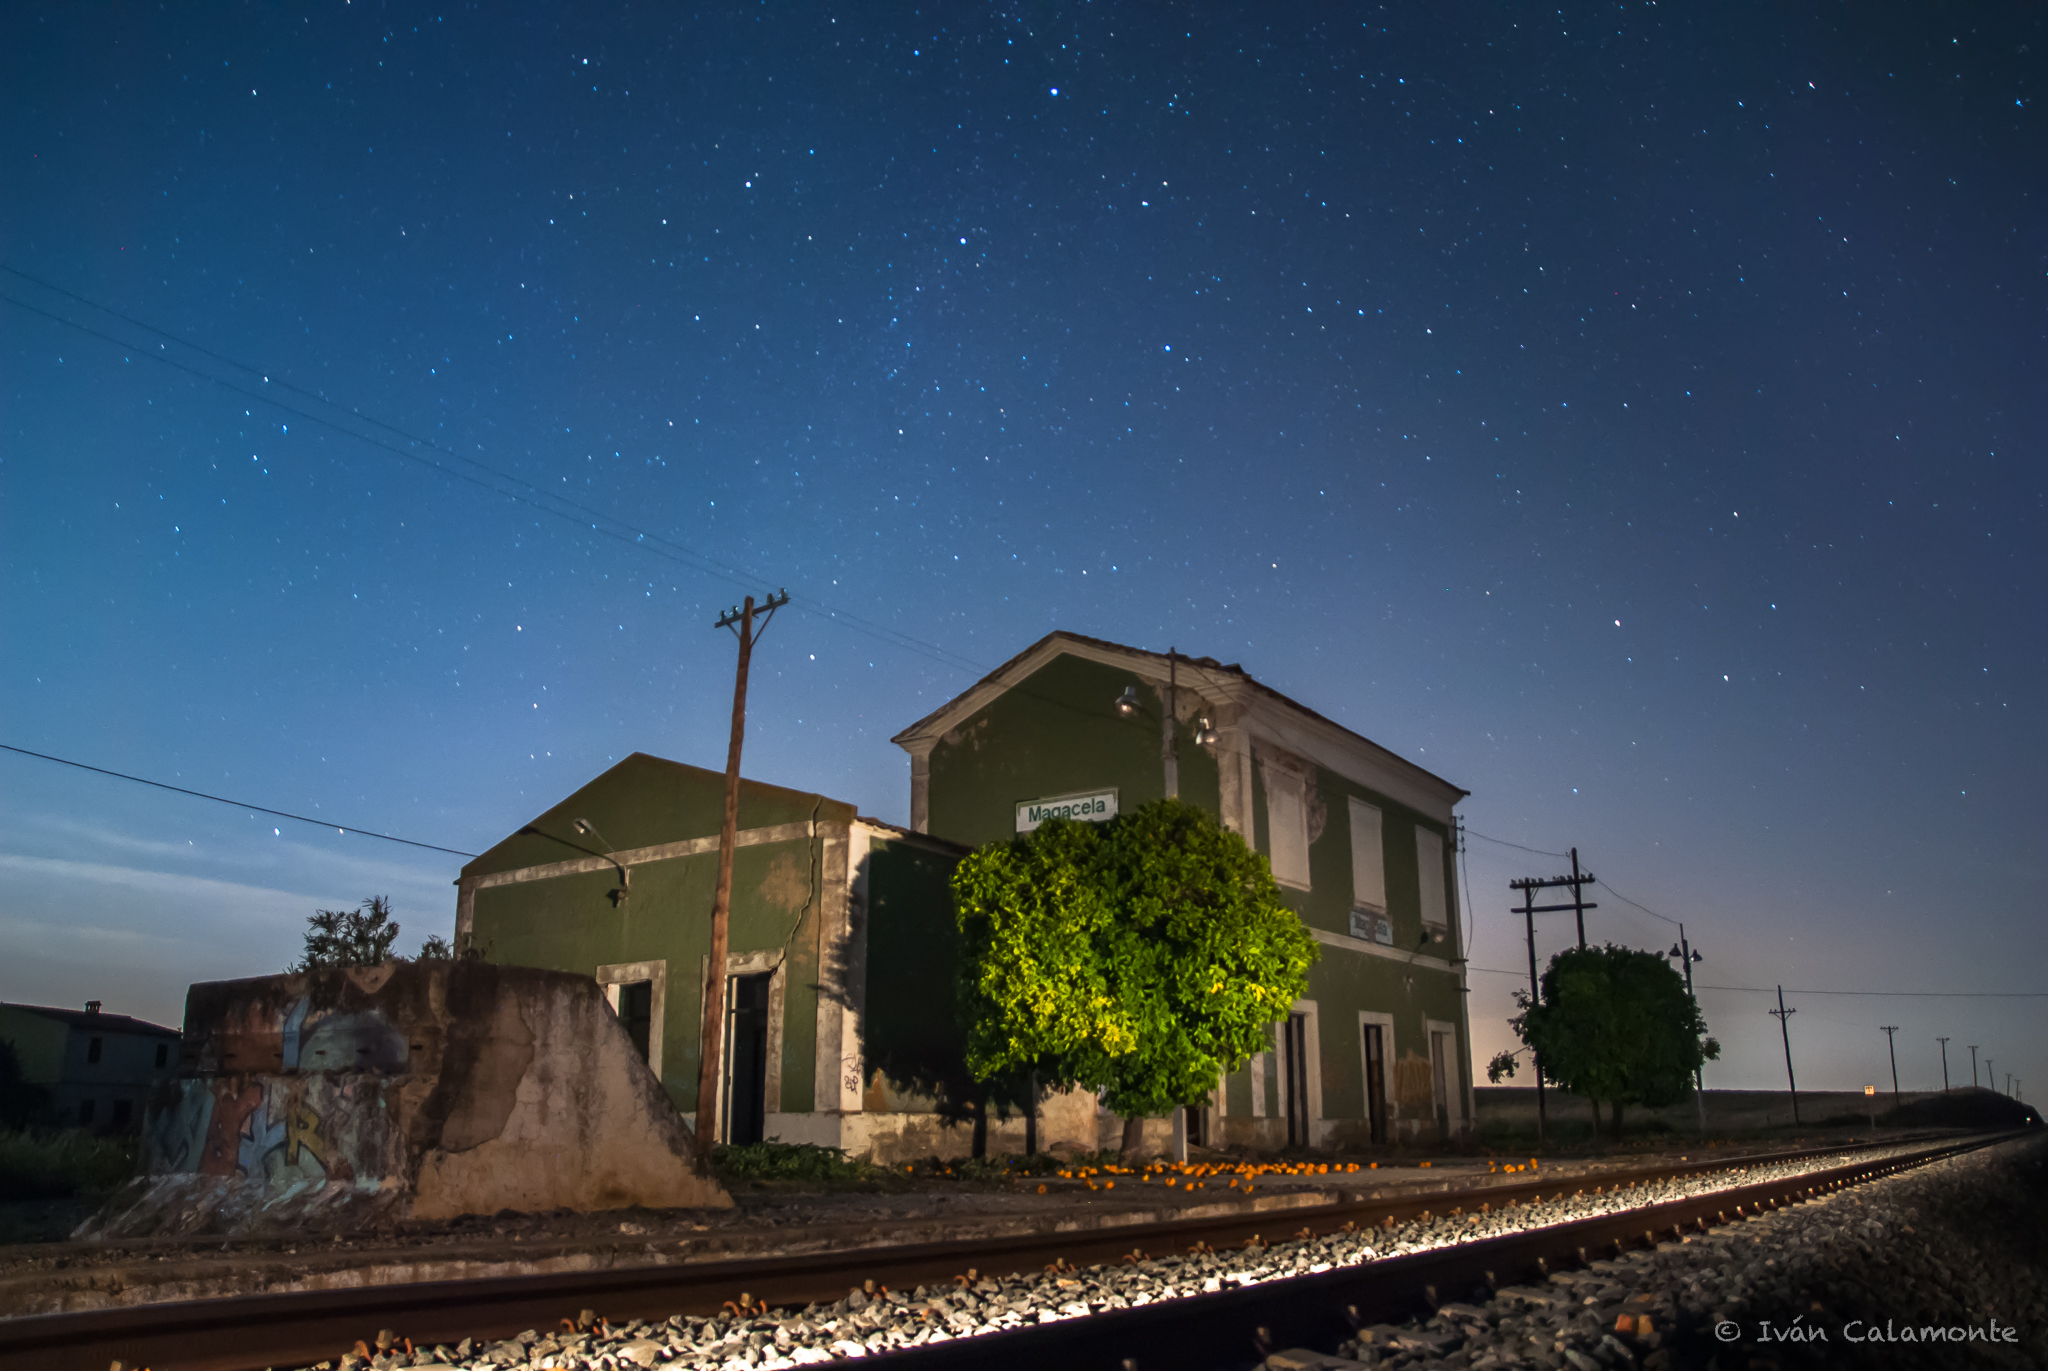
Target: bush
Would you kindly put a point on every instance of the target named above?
(781, 1161)
(36, 1165)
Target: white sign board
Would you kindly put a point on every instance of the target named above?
(1094, 806)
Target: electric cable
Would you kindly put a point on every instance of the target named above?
(542, 499)
(221, 799)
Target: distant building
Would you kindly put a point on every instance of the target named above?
(1361, 841)
(97, 1067)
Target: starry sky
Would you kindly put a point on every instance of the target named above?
(1631, 413)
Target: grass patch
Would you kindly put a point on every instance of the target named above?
(781, 1161)
(38, 1165)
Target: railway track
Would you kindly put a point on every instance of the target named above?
(1229, 1327)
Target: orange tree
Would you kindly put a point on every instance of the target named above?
(1612, 1024)
(1141, 958)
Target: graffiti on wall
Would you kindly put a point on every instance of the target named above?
(323, 1112)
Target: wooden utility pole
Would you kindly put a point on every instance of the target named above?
(1973, 1066)
(1944, 1064)
(1890, 1029)
(1529, 917)
(1784, 1016)
(740, 619)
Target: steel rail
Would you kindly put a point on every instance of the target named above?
(248, 1332)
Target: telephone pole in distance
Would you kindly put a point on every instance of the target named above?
(1944, 1064)
(1890, 1029)
(1784, 1017)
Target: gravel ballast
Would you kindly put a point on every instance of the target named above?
(1942, 1266)
(869, 1321)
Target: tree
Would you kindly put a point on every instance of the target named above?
(1612, 1024)
(21, 1102)
(1142, 959)
(349, 937)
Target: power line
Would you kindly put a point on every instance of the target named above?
(221, 799)
(1517, 846)
(548, 502)
(1645, 908)
(1877, 994)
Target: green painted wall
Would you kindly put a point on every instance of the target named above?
(1057, 732)
(568, 923)
(644, 801)
(1327, 903)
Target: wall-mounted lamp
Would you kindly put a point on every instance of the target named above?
(1127, 703)
(589, 830)
(1205, 732)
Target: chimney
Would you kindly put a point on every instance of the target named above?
(92, 1006)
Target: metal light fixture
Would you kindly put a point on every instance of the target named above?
(1205, 732)
(1127, 703)
(619, 896)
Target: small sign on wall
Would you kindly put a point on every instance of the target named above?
(1093, 806)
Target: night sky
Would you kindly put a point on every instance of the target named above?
(1633, 414)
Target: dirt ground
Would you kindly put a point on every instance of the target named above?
(780, 1218)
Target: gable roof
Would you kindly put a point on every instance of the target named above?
(1222, 681)
(643, 801)
(86, 1018)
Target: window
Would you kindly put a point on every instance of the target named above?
(1429, 863)
(92, 1050)
(163, 1054)
(1368, 858)
(85, 1113)
(123, 1111)
(1286, 829)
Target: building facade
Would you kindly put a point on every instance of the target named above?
(842, 950)
(97, 1068)
(1362, 843)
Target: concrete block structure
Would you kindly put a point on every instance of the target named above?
(1361, 841)
(337, 1100)
(97, 1068)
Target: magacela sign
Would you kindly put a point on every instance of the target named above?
(1096, 806)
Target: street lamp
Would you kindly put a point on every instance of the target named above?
(1686, 954)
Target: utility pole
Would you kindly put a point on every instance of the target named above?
(1973, 1066)
(1784, 1017)
(1944, 1064)
(1992, 1074)
(1578, 897)
(1686, 957)
(741, 620)
(1529, 885)
(1529, 915)
(1890, 1029)
(2008, 1083)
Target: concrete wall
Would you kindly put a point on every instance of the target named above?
(344, 1099)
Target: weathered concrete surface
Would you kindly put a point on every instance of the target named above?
(348, 1099)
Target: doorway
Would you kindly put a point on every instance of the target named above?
(1376, 1081)
(1294, 1079)
(636, 1013)
(746, 1058)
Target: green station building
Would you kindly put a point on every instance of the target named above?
(843, 952)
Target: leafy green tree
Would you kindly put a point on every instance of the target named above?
(1612, 1024)
(1142, 958)
(349, 937)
